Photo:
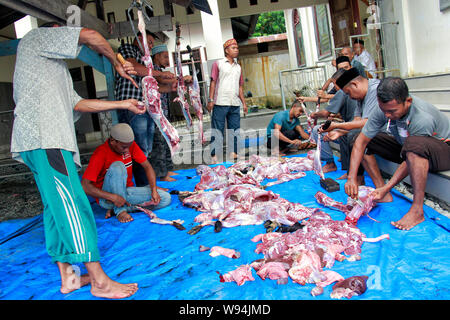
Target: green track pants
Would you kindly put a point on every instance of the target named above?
(70, 229)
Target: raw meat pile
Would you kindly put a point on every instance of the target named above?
(303, 255)
(244, 204)
(254, 171)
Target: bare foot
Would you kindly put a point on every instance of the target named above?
(109, 213)
(102, 286)
(409, 220)
(213, 160)
(167, 178)
(329, 167)
(124, 217)
(163, 189)
(343, 177)
(387, 198)
(171, 173)
(113, 290)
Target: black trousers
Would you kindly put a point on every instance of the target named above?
(160, 159)
(290, 134)
(436, 151)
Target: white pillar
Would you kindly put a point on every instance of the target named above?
(310, 42)
(291, 39)
(212, 32)
(405, 49)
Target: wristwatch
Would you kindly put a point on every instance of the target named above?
(210, 100)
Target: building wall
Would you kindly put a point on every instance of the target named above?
(423, 40)
(260, 73)
(7, 64)
(244, 8)
(429, 36)
(309, 37)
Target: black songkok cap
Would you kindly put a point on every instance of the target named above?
(346, 77)
(342, 59)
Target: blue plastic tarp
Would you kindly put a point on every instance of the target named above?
(167, 264)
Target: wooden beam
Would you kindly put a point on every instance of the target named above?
(50, 10)
(30, 10)
(155, 24)
(8, 16)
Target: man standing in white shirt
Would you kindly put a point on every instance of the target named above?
(225, 96)
(364, 57)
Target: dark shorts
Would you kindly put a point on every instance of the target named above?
(436, 151)
(290, 134)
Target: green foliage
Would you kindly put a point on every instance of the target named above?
(270, 23)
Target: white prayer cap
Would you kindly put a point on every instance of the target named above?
(122, 132)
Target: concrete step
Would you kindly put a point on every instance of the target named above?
(434, 89)
(445, 108)
(435, 96)
(429, 81)
(438, 184)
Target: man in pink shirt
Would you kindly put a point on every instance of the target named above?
(225, 97)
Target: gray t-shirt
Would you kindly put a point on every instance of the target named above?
(422, 119)
(343, 104)
(370, 101)
(43, 92)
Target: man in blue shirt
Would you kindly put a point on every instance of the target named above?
(284, 129)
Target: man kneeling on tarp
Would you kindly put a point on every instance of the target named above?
(285, 129)
(108, 177)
